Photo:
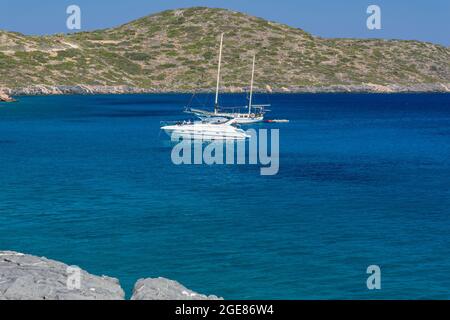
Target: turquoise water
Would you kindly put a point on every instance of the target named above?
(364, 179)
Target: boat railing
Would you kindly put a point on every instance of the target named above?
(175, 122)
(259, 108)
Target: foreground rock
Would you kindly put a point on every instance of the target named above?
(5, 98)
(26, 277)
(165, 289)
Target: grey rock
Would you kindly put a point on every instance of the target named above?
(165, 289)
(27, 277)
(5, 97)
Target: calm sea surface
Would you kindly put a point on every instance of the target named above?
(364, 179)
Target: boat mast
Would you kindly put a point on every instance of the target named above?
(251, 87)
(216, 104)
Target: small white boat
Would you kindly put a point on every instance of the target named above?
(277, 121)
(206, 130)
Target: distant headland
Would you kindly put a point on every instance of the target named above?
(175, 51)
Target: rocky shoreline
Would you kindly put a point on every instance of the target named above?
(5, 97)
(27, 277)
(90, 89)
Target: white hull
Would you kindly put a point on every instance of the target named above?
(205, 131)
(203, 135)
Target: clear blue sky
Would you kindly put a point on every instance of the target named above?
(401, 19)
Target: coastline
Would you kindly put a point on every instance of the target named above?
(37, 90)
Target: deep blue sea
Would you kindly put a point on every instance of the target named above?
(364, 180)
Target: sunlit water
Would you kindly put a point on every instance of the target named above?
(363, 179)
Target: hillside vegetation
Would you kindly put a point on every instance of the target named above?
(177, 50)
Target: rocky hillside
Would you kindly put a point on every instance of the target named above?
(177, 51)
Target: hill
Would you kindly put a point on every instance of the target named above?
(177, 50)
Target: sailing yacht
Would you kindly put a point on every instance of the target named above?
(206, 130)
(255, 113)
